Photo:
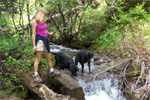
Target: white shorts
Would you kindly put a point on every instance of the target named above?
(40, 46)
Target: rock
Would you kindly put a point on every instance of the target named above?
(100, 61)
(41, 90)
(51, 95)
(65, 85)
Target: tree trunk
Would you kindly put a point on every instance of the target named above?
(0, 12)
(28, 27)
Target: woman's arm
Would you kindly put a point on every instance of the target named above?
(34, 34)
(50, 33)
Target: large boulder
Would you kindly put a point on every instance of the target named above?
(65, 85)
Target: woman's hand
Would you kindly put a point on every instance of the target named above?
(50, 33)
(34, 49)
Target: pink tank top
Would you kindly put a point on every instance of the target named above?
(41, 29)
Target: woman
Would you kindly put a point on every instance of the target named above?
(40, 42)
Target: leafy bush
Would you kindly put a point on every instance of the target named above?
(12, 54)
(120, 26)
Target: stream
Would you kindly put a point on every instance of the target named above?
(104, 88)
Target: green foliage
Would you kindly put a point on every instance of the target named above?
(109, 38)
(12, 84)
(93, 19)
(16, 57)
(12, 50)
(10, 87)
(120, 26)
(5, 22)
(133, 32)
(134, 15)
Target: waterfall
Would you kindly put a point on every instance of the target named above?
(105, 89)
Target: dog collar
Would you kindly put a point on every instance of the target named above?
(70, 65)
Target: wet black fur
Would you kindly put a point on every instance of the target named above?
(84, 57)
(64, 62)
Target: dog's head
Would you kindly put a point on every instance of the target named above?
(90, 54)
(74, 69)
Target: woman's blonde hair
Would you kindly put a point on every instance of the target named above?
(40, 15)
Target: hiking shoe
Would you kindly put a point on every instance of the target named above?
(37, 79)
(53, 74)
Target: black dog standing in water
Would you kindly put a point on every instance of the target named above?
(65, 62)
(83, 57)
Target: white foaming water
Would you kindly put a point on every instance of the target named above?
(101, 95)
(58, 48)
(105, 89)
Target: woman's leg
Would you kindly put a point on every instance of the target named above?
(37, 60)
(49, 59)
(36, 63)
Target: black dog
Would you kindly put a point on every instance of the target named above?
(83, 57)
(65, 62)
